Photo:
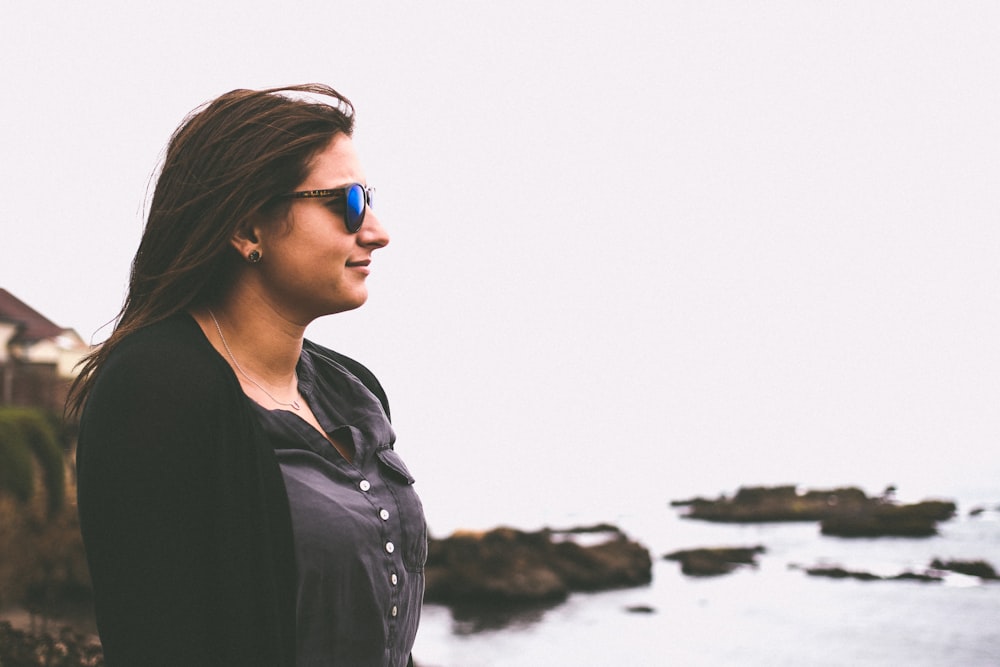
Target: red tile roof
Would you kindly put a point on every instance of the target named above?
(34, 325)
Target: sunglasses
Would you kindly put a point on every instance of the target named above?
(357, 198)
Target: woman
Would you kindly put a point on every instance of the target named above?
(240, 498)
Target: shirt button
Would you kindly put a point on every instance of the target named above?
(390, 547)
(384, 514)
(395, 611)
(394, 579)
(365, 485)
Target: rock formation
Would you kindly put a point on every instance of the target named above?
(974, 568)
(843, 511)
(706, 562)
(837, 572)
(934, 572)
(878, 520)
(508, 566)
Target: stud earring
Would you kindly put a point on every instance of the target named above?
(254, 256)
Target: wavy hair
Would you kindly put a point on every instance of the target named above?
(226, 165)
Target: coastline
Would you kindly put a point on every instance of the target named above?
(749, 601)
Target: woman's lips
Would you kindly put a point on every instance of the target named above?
(361, 266)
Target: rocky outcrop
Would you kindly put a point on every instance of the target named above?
(934, 572)
(508, 566)
(836, 572)
(843, 511)
(974, 568)
(980, 510)
(707, 562)
(753, 504)
(640, 609)
(879, 520)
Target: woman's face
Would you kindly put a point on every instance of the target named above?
(312, 266)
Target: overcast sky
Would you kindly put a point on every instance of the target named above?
(640, 250)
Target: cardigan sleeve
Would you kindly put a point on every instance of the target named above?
(145, 496)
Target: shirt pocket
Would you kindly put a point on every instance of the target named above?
(409, 508)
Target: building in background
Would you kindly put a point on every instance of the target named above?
(37, 356)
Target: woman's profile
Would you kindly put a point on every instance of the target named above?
(240, 496)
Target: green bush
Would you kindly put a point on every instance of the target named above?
(16, 473)
(27, 434)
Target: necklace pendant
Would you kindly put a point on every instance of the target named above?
(295, 404)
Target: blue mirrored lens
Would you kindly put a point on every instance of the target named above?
(355, 213)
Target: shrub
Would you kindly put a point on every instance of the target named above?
(17, 475)
(25, 435)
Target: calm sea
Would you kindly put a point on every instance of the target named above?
(772, 615)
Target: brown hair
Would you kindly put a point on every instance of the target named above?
(227, 163)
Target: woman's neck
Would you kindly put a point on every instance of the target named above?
(254, 337)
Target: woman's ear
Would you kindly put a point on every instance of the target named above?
(246, 240)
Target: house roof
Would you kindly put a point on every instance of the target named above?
(34, 325)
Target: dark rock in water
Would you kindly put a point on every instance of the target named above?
(979, 510)
(843, 511)
(708, 562)
(880, 520)
(640, 609)
(836, 572)
(916, 576)
(841, 573)
(753, 504)
(507, 566)
(975, 568)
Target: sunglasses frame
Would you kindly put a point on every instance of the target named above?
(340, 192)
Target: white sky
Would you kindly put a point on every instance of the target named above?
(640, 250)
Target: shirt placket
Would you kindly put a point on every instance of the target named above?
(383, 507)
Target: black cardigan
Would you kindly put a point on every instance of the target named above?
(183, 510)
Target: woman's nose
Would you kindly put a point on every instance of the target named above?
(372, 233)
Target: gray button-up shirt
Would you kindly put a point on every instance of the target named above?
(360, 534)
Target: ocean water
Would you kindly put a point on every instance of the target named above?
(771, 615)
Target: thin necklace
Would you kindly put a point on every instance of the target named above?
(294, 404)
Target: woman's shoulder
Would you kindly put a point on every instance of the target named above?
(161, 393)
(323, 354)
(326, 360)
(171, 356)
